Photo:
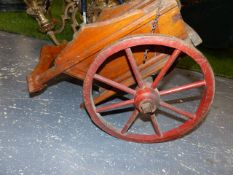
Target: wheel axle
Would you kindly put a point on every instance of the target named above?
(147, 107)
(147, 100)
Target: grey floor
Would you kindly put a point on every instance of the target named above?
(49, 134)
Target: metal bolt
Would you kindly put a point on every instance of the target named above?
(147, 107)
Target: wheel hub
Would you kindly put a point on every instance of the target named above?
(147, 100)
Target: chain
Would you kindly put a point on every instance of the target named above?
(156, 19)
(154, 25)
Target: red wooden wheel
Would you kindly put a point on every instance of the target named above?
(146, 99)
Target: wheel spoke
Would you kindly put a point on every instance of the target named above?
(166, 67)
(155, 125)
(183, 88)
(114, 106)
(130, 121)
(114, 84)
(179, 111)
(134, 67)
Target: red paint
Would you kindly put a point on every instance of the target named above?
(147, 98)
(140, 95)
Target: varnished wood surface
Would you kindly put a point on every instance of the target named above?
(113, 24)
(48, 54)
(170, 23)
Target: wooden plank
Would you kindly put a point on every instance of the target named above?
(121, 61)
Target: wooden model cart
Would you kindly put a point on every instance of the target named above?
(128, 52)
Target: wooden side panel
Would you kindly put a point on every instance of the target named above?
(170, 23)
(92, 38)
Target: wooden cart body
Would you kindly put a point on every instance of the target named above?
(106, 46)
(113, 23)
